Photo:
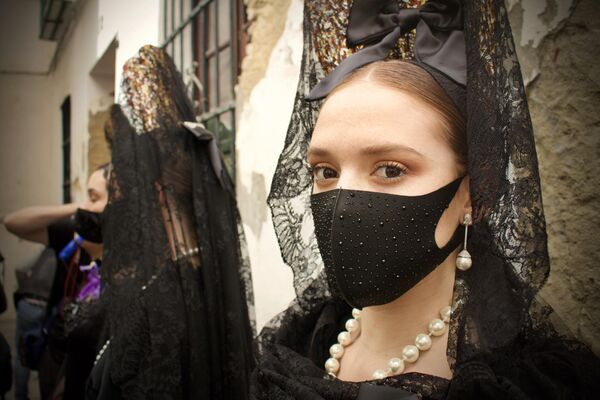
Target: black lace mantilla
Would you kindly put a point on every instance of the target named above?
(508, 241)
(176, 275)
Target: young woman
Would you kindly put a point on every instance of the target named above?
(178, 287)
(427, 216)
(385, 138)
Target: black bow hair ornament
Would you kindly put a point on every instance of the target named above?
(439, 41)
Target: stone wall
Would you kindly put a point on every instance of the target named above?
(558, 46)
(98, 151)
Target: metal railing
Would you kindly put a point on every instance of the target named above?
(208, 54)
(53, 18)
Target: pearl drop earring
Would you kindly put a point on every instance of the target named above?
(463, 260)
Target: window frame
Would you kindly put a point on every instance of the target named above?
(205, 50)
(65, 109)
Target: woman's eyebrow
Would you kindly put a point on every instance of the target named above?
(317, 152)
(375, 149)
(386, 148)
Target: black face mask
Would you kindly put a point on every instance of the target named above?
(376, 246)
(88, 225)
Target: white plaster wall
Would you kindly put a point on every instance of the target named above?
(70, 77)
(133, 22)
(29, 151)
(262, 128)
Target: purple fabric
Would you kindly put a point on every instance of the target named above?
(91, 289)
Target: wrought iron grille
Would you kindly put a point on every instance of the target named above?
(207, 39)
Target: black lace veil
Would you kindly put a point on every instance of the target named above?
(508, 239)
(177, 278)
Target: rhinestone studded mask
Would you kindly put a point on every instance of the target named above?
(376, 246)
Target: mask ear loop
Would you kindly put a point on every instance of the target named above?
(454, 240)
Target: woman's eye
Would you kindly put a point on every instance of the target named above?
(389, 171)
(321, 173)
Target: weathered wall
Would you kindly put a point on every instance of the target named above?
(558, 45)
(266, 27)
(265, 98)
(98, 151)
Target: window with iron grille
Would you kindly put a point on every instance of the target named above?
(207, 40)
(65, 110)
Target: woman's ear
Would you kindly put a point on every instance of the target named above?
(465, 197)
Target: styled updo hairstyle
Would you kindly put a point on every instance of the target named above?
(415, 81)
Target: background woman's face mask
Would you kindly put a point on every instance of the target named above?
(376, 246)
(88, 225)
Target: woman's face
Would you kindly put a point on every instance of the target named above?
(97, 192)
(373, 138)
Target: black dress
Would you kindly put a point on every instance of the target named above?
(530, 368)
(70, 357)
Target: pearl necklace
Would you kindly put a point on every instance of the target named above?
(410, 353)
(102, 351)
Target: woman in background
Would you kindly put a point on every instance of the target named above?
(177, 283)
(66, 360)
